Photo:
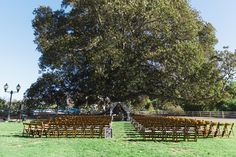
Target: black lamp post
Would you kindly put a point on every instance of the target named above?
(11, 92)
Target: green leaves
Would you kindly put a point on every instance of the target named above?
(126, 48)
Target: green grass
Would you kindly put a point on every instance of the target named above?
(13, 145)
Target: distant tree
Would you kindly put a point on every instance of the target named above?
(231, 90)
(124, 49)
(16, 106)
(45, 92)
(228, 102)
(2, 104)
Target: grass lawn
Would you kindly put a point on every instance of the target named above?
(12, 144)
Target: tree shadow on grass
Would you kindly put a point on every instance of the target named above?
(14, 135)
(48, 137)
(132, 134)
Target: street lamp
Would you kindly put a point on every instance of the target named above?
(11, 92)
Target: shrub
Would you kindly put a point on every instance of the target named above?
(173, 109)
(227, 105)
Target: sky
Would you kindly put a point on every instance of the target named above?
(19, 57)
(222, 15)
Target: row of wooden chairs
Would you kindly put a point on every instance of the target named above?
(177, 129)
(164, 128)
(214, 129)
(68, 126)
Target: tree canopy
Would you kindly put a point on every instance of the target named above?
(126, 48)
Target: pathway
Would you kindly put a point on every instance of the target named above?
(123, 130)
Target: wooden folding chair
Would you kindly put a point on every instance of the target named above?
(212, 129)
(228, 129)
(191, 130)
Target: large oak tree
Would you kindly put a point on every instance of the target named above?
(126, 48)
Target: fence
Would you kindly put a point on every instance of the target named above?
(40, 115)
(216, 114)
